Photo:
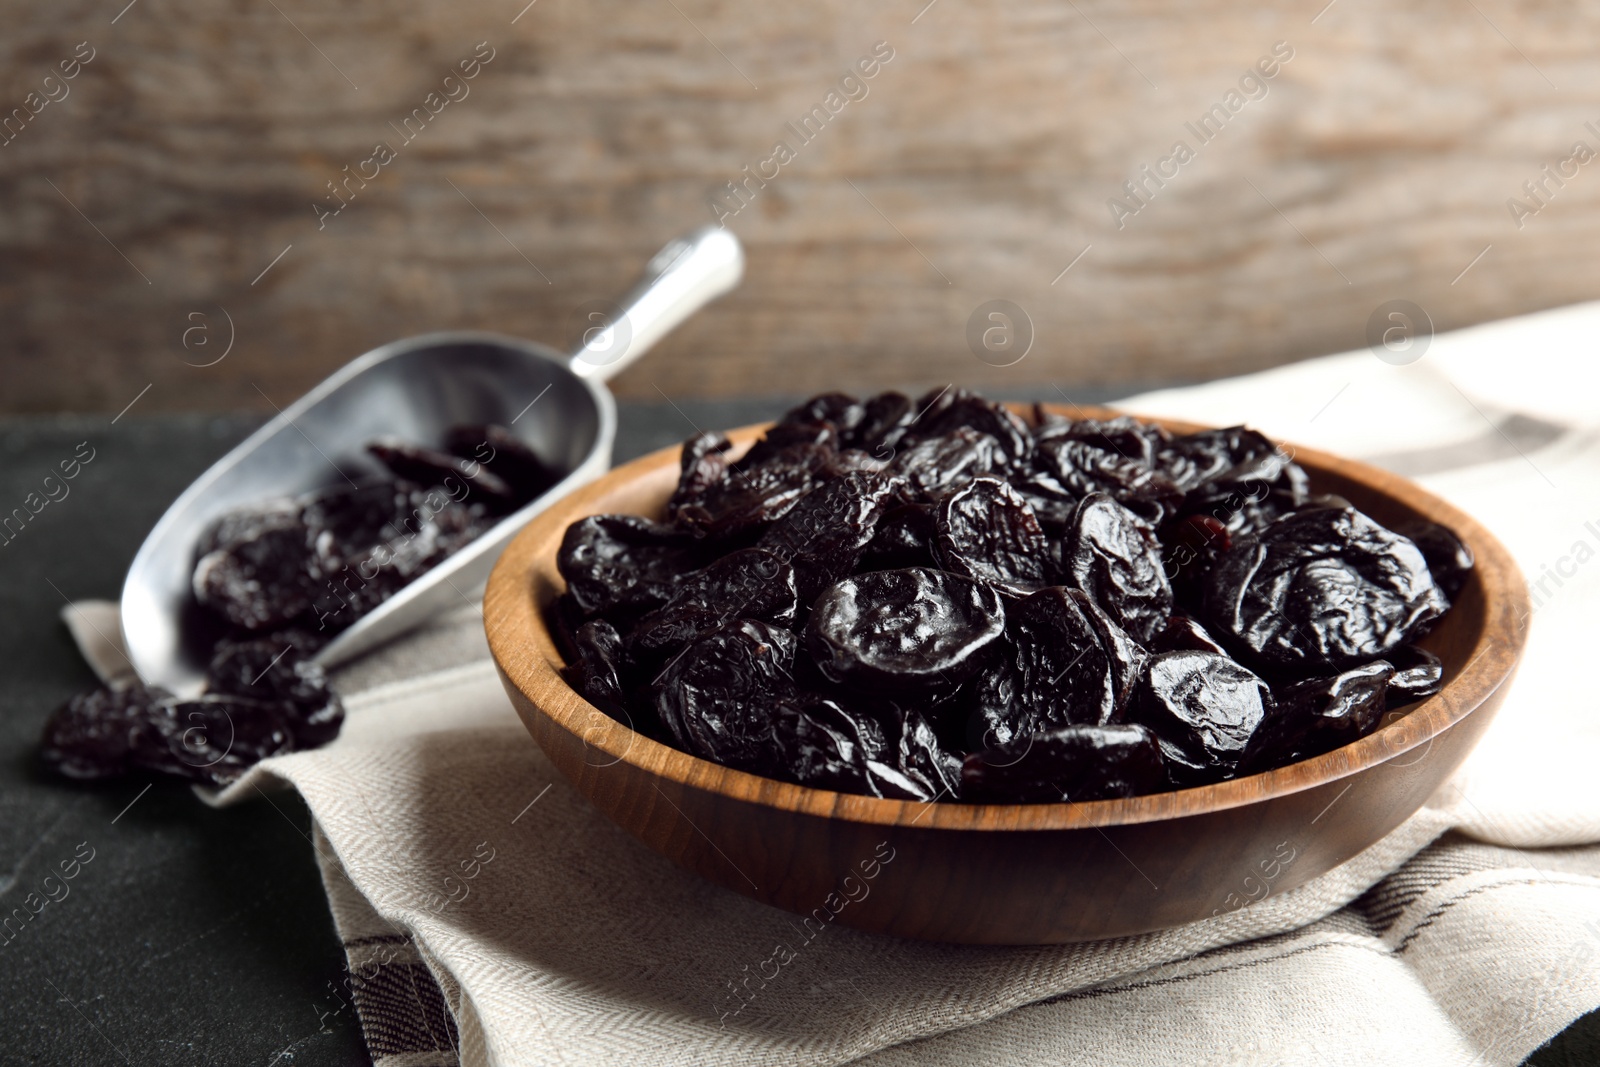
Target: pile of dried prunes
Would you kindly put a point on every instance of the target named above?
(281, 580)
(938, 599)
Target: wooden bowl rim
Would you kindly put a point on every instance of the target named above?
(512, 620)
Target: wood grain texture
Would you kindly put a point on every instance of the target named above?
(979, 165)
(1012, 874)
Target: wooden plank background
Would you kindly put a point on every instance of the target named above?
(142, 208)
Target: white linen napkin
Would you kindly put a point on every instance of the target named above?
(491, 916)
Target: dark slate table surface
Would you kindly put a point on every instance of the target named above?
(192, 936)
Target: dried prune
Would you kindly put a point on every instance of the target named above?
(214, 738)
(427, 466)
(903, 538)
(901, 632)
(1317, 715)
(281, 672)
(702, 469)
(825, 534)
(263, 575)
(751, 583)
(1449, 559)
(956, 409)
(987, 532)
(935, 466)
(715, 696)
(754, 495)
(1321, 589)
(1203, 708)
(595, 667)
(884, 419)
(1183, 634)
(1115, 559)
(506, 455)
(1418, 673)
(613, 562)
(1069, 763)
(94, 734)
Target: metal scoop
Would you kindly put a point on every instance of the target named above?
(415, 389)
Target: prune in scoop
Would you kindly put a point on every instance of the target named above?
(986, 531)
(505, 454)
(1318, 715)
(1115, 559)
(623, 562)
(901, 633)
(825, 534)
(1418, 673)
(715, 697)
(751, 583)
(93, 735)
(1321, 590)
(596, 665)
(1070, 763)
(262, 576)
(703, 467)
(935, 466)
(1449, 559)
(1203, 709)
(427, 466)
(904, 538)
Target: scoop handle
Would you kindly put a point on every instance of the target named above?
(679, 280)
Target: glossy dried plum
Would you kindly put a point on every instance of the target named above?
(958, 409)
(884, 419)
(278, 671)
(623, 562)
(714, 697)
(1317, 715)
(427, 467)
(595, 668)
(935, 466)
(902, 632)
(987, 532)
(506, 455)
(1183, 634)
(213, 739)
(753, 496)
(838, 410)
(1070, 763)
(702, 468)
(1203, 708)
(825, 534)
(1418, 673)
(1319, 590)
(751, 583)
(1449, 559)
(1115, 559)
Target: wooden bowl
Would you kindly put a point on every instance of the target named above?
(1010, 873)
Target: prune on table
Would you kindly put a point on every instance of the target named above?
(715, 697)
(904, 632)
(825, 534)
(1418, 673)
(94, 734)
(1317, 715)
(623, 562)
(1203, 709)
(1320, 590)
(1449, 560)
(506, 455)
(920, 600)
(427, 467)
(751, 583)
(987, 532)
(1114, 557)
(214, 738)
(262, 576)
(1069, 763)
(934, 466)
(903, 538)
